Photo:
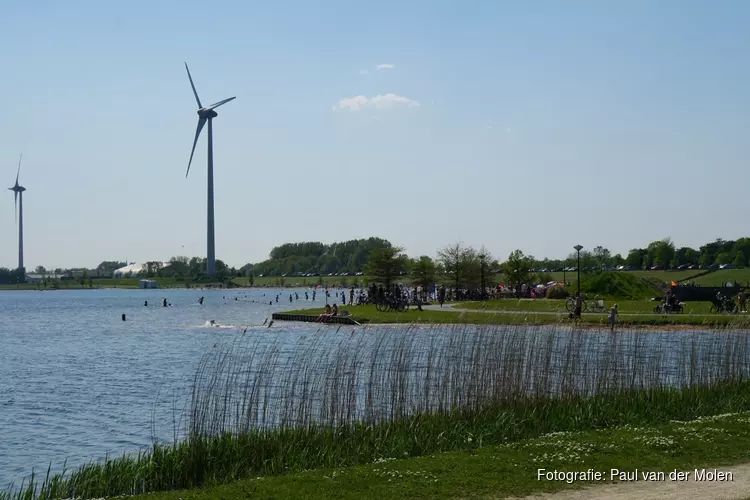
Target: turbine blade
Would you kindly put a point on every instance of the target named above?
(193, 85)
(19, 168)
(217, 104)
(201, 122)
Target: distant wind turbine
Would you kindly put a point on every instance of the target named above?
(207, 114)
(18, 195)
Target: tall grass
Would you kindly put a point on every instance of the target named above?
(265, 405)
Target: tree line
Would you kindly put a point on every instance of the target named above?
(455, 264)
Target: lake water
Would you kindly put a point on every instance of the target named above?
(77, 382)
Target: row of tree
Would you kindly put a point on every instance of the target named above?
(316, 257)
(457, 266)
(659, 253)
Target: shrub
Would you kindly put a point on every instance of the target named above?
(613, 284)
(557, 292)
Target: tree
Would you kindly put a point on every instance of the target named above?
(460, 265)
(724, 258)
(423, 272)
(602, 256)
(40, 270)
(661, 252)
(636, 257)
(517, 268)
(84, 277)
(385, 264)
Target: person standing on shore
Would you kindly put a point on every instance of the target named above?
(578, 308)
(741, 299)
(613, 317)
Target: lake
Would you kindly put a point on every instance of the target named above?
(77, 382)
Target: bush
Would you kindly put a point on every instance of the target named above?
(613, 284)
(557, 292)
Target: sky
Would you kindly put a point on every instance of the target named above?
(535, 125)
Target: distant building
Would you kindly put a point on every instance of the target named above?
(147, 284)
(133, 269)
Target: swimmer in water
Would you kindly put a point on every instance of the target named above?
(200, 301)
(165, 302)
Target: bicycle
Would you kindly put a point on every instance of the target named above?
(666, 309)
(392, 304)
(723, 304)
(598, 305)
(570, 305)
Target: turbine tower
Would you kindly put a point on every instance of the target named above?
(18, 195)
(207, 114)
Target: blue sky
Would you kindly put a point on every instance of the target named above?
(532, 125)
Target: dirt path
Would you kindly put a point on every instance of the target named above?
(737, 489)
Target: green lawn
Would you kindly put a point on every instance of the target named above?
(719, 278)
(551, 305)
(511, 469)
(368, 314)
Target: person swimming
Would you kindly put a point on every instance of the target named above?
(165, 302)
(145, 303)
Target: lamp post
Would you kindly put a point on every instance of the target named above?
(578, 249)
(481, 274)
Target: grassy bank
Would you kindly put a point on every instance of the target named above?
(551, 305)
(368, 314)
(510, 469)
(342, 400)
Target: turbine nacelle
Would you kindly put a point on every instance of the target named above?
(206, 113)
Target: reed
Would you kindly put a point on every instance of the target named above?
(264, 405)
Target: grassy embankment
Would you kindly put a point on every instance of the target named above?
(511, 469)
(416, 399)
(538, 316)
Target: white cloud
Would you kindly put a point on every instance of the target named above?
(363, 72)
(386, 101)
(385, 66)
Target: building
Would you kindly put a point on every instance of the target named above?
(147, 284)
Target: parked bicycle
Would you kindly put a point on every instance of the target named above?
(722, 304)
(665, 308)
(392, 303)
(597, 305)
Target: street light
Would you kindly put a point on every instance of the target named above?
(578, 249)
(481, 273)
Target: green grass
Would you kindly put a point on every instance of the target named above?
(719, 278)
(511, 469)
(368, 314)
(554, 305)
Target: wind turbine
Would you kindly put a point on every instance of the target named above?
(18, 195)
(207, 114)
